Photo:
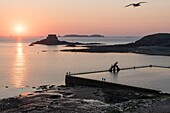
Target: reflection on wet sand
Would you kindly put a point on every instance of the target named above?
(19, 67)
(114, 77)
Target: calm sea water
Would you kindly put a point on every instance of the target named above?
(23, 66)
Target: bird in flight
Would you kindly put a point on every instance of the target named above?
(135, 4)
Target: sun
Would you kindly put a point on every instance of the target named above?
(19, 29)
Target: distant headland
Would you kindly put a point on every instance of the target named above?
(155, 44)
(77, 35)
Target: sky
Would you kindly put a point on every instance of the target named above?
(106, 17)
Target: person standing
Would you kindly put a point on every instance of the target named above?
(114, 68)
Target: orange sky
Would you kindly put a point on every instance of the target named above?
(108, 17)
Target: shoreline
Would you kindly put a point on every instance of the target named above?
(155, 44)
(65, 99)
(147, 50)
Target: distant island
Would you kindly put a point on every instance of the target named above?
(155, 44)
(52, 39)
(77, 35)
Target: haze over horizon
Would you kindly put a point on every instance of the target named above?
(41, 17)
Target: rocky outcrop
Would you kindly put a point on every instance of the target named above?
(52, 39)
(161, 39)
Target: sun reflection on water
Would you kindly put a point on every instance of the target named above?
(19, 67)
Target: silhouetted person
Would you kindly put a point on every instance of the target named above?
(103, 79)
(114, 68)
(111, 68)
(67, 73)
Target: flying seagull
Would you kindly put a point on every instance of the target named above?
(135, 4)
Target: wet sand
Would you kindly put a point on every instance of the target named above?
(83, 99)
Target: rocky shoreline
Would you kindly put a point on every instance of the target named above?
(156, 44)
(83, 99)
(152, 50)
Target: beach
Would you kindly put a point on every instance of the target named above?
(84, 99)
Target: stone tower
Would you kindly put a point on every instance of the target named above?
(52, 39)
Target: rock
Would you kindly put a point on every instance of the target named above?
(38, 91)
(33, 87)
(55, 96)
(43, 87)
(31, 44)
(160, 39)
(52, 39)
(9, 103)
(67, 93)
(44, 50)
(52, 86)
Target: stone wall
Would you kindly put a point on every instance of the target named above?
(73, 80)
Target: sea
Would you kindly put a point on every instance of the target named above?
(23, 67)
